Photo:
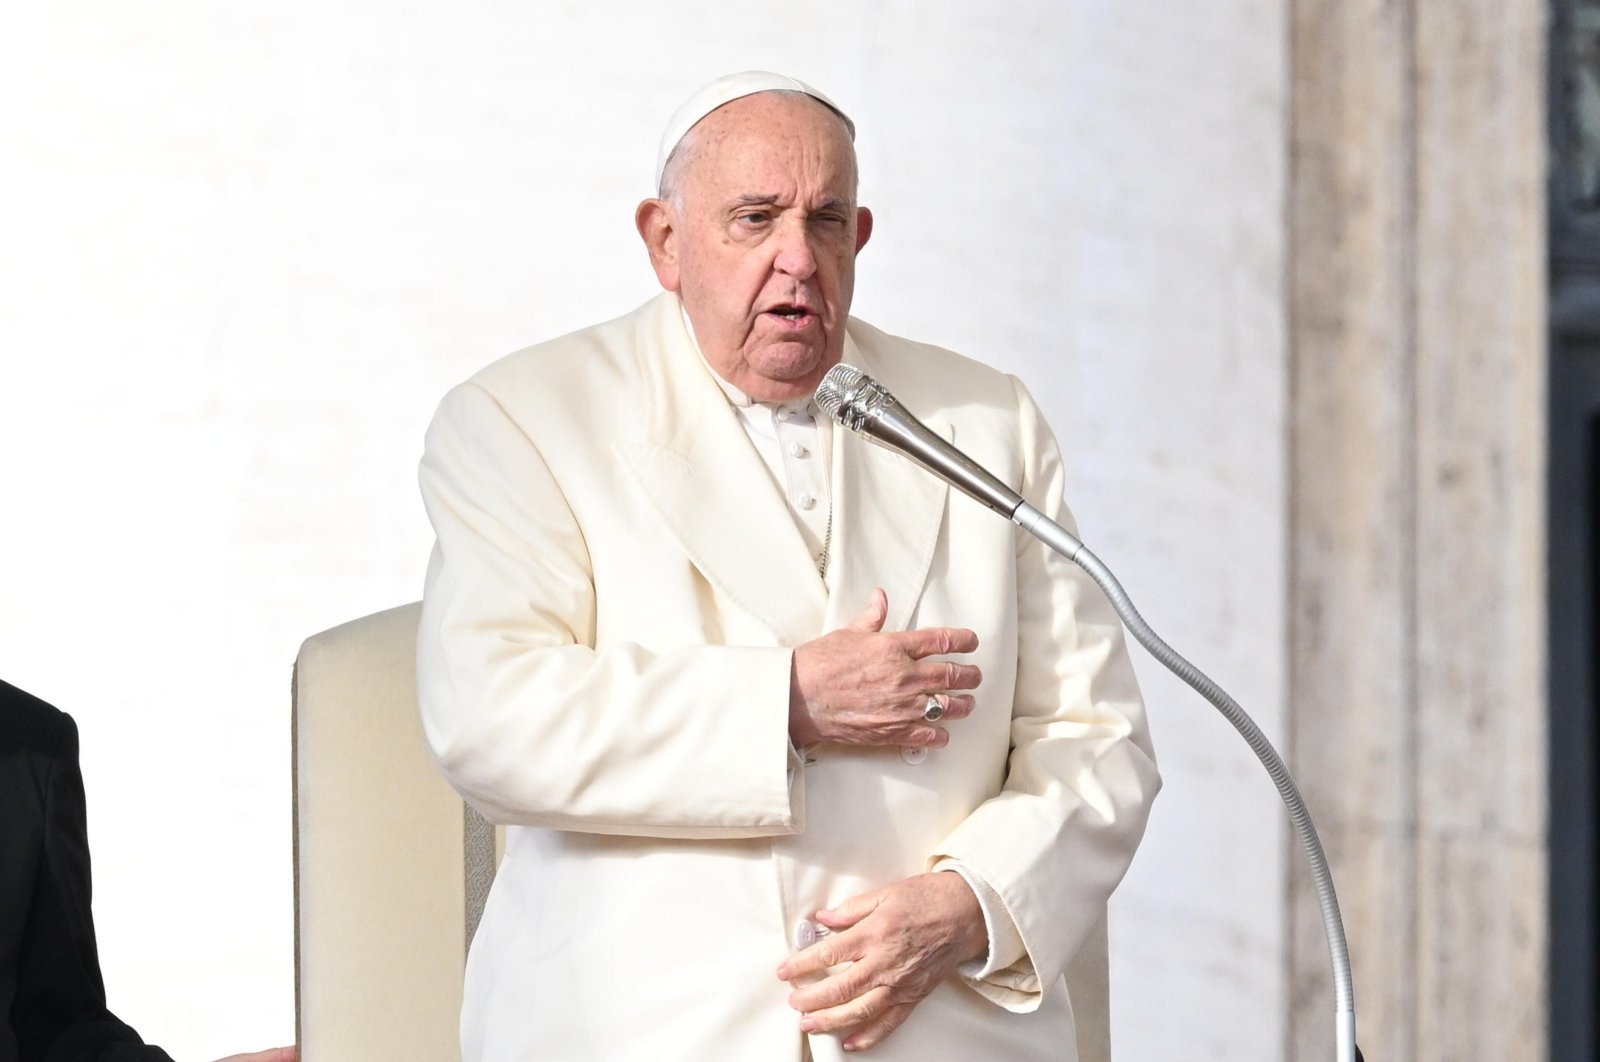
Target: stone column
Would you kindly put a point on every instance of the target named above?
(1417, 518)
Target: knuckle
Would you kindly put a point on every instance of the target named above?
(874, 1003)
(863, 1009)
(867, 1039)
(910, 995)
(901, 993)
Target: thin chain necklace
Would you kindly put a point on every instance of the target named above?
(827, 544)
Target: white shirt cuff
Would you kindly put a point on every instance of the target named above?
(1005, 943)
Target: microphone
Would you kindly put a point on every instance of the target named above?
(861, 404)
(865, 406)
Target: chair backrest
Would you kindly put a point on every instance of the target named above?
(380, 840)
(391, 868)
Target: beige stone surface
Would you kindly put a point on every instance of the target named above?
(1479, 532)
(1351, 625)
(1417, 632)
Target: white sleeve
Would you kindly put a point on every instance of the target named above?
(1081, 775)
(1005, 943)
(526, 719)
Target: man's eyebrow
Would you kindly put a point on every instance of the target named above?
(832, 203)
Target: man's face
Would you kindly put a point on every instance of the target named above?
(762, 248)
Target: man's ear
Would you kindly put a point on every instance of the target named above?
(658, 227)
(863, 227)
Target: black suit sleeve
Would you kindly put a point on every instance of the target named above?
(59, 1013)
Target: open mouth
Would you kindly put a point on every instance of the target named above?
(795, 315)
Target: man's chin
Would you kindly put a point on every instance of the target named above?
(783, 378)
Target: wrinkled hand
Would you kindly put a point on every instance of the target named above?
(900, 942)
(860, 686)
(277, 1054)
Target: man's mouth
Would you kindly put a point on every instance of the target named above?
(791, 315)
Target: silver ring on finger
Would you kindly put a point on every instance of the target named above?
(934, 710)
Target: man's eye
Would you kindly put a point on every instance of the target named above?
(754, 217)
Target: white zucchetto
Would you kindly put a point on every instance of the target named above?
(726, 90)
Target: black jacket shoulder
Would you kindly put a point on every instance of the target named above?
(52, 998)
(28, 724)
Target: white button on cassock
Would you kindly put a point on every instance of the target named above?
(913, 754)
(806, 933)
(805, 501)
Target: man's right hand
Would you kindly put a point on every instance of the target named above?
(860, 686)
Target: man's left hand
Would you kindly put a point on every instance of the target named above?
(900, 941)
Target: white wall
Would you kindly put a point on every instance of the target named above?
(250, 244)
(1179, 390)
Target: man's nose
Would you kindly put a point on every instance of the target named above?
(795, 256)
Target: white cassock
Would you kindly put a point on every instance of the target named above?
(604, 666)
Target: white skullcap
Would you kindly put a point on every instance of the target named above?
(726, 90)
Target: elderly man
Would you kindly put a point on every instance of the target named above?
(801, 754)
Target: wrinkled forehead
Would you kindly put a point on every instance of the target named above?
(725, 90)
(766, 148)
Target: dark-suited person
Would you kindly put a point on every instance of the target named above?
(51, 992)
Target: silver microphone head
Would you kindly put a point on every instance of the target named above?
(849, 395)
(835, 388)
(863, 405)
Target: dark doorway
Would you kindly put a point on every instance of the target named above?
(1574, 522)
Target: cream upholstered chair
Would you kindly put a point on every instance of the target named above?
(383, 893)
(391, 868)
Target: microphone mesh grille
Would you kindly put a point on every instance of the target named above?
(835, 388)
